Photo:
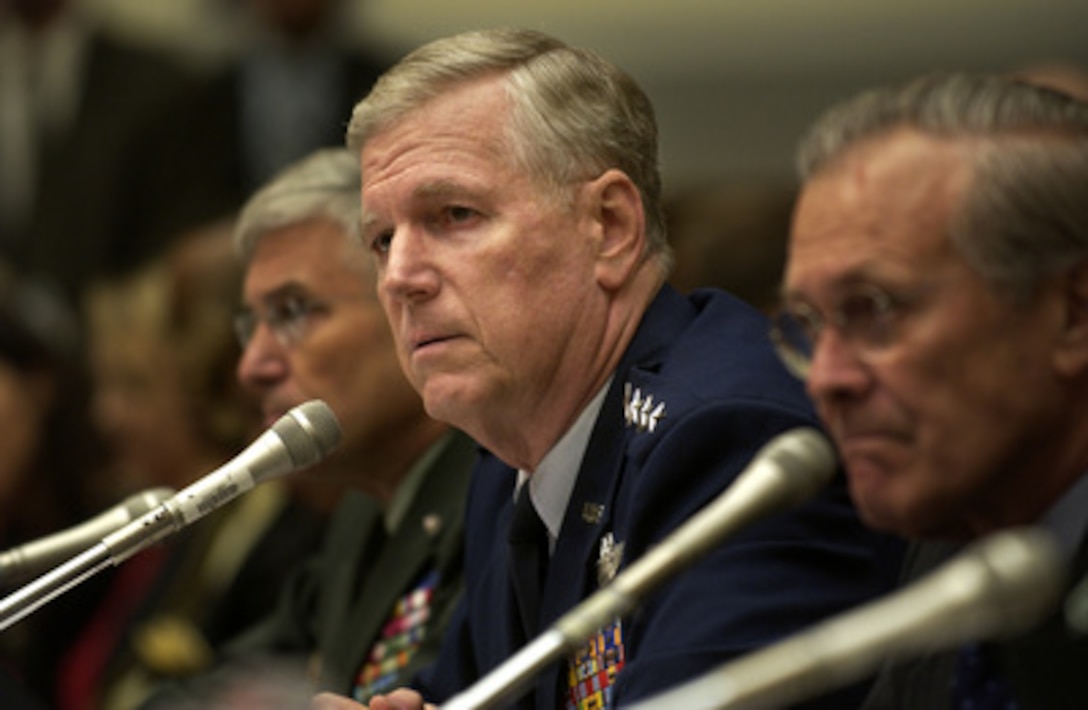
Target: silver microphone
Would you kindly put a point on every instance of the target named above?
(1076, 608)
(999, 586)
(299, 439)
(788, 470)
(22, 563)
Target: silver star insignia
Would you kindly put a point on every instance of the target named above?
(640, 411)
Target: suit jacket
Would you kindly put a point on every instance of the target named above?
(1045, 667)
(94, 213)
(923, 682)
(336, 604)
(1048, 666)
(708, 360)
(208, 160)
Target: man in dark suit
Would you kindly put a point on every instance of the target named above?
(85, 186)
(936, 304)
(371, 607)
(285, 93)
(512, 201)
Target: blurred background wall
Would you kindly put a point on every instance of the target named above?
(734, 81)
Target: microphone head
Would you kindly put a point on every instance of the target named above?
(309, 432)
(1022, 572)
(804, 459)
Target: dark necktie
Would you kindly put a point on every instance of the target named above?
(529, 558)
(978, 684)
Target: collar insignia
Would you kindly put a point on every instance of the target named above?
(592, 513)
(640, 411)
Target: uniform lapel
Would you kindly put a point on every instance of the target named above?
(348, 543)
(434, 515)
(590, 514)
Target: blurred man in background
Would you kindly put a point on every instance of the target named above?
(371, 607)
(84, 181)
(936, 305)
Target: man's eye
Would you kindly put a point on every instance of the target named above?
(806, 320)
(380, 243)
(863, 309)
(458, 214)
(290, 309)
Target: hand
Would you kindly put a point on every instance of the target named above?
(400, 699)
(329, 701)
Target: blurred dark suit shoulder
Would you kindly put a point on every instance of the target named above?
(94, 213)
(210, 157)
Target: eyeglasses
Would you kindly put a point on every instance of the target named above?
(865, 318)
(289, 319)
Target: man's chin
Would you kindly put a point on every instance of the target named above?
(886, 509)
(449, 398)
(872, 488)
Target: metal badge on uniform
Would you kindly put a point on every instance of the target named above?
(592, 669)
(609, 559)
(592, 513)
(641, 412)
(432, 524)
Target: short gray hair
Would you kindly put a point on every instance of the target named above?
(323, 185)
(573, 116)
(1025, 215)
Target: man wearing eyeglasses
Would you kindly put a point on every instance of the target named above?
(936, 305)
(371, 607)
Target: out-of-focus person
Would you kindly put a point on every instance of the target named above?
(82, 112)
(284, 91)
(168, 406)
(1062, 76)
(936, 305)
(731, 236)
(49, 462)
(371, 607)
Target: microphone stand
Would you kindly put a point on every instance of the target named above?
(300, 438)
(114, 549)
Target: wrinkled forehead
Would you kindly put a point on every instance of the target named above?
(474, 114)
(384, 111)
(885, 206)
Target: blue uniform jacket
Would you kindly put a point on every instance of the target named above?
(708, 359)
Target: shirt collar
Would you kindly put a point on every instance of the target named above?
(1068, 518)
(552, 484)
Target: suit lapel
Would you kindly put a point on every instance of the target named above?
(434, 515)
(348, 545)
(401, 561)
(591, 511)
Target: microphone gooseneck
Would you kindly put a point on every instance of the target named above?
(299, 439)
(21, 564)
(997, 587)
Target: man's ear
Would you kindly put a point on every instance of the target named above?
(1072, 354)
(619, 227)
